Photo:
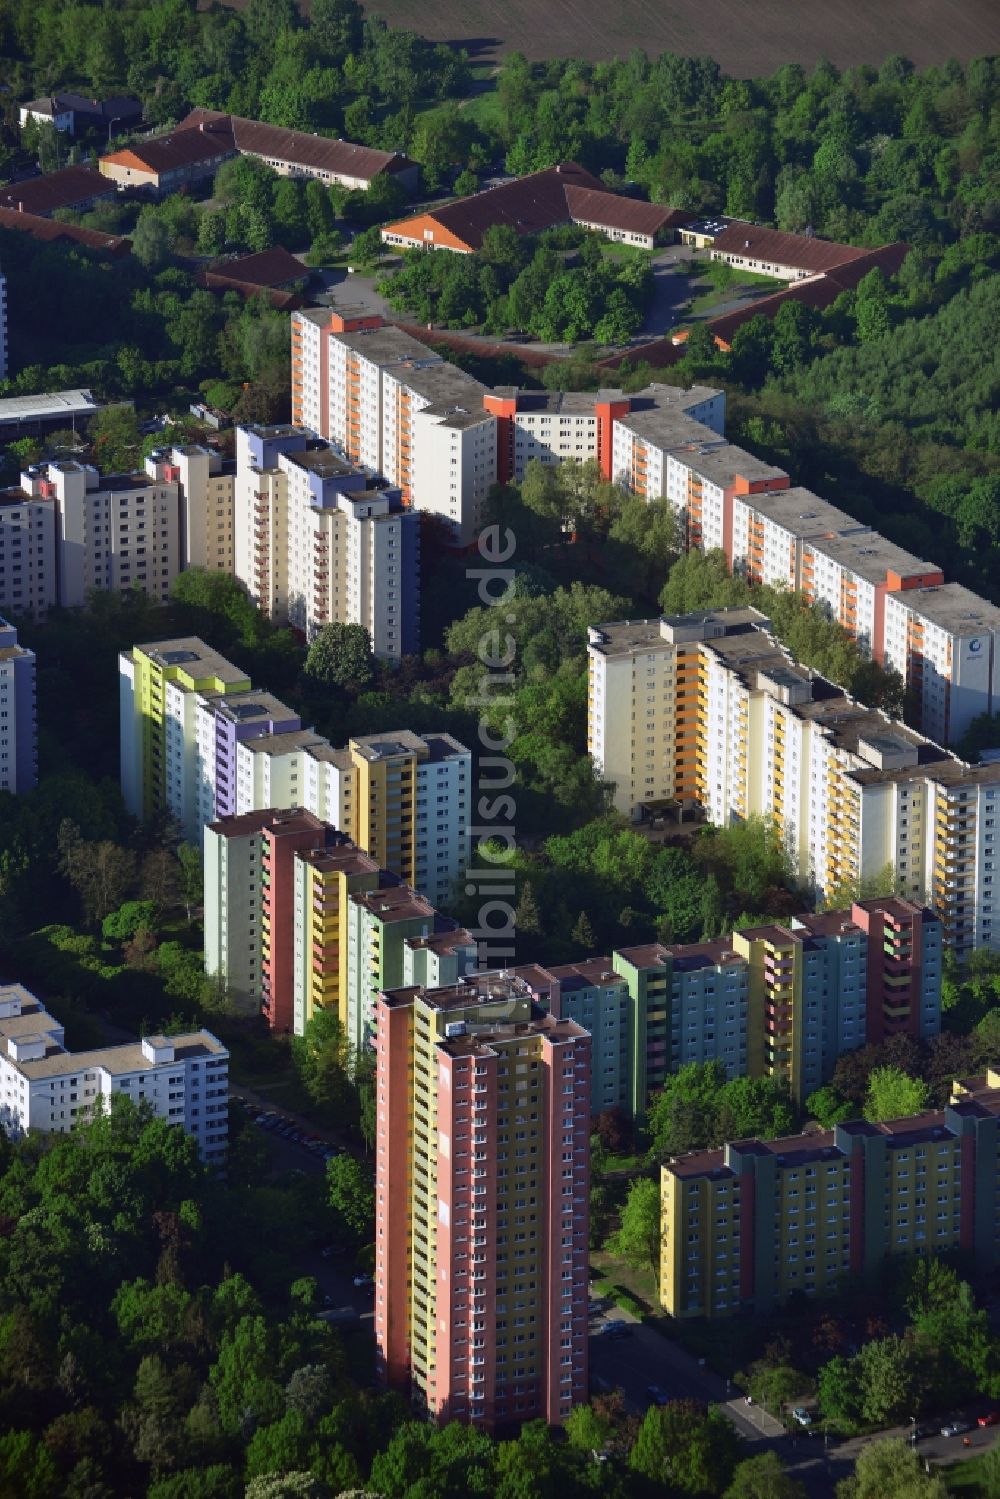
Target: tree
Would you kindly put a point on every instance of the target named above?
(192, 880)
(638, 1239)
(115, 439)
(588, 1429)
(527, 919)
(891, 1470)
(341, 656)
(211, 234)
(127, 920)
(351, 1195)
(893, 1095)
(887, 1370)
(827, 1107)
(763, 1477)
(322, 1057)
(681, 1446)
(151, 240)
(367, 246)
(101, 873)
(583, 933)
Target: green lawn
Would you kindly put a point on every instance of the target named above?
(967, 1478)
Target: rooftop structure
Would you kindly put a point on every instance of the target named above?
(183, 1078)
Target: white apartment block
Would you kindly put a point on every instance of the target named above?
(945, 644)
(66, 530)
(708, 710)
(400, 410)
(18, 719)
(318, 541)
(183, 1079)
(301, 769)
(771, 532)
(853, 575)
(207, 497)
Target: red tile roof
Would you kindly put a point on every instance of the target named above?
(63, 189)
(274, 267)
(817, 291)
(612, 211)
(181, 148)
(318, 153)
(774, 246)
(528, 204)
(48, 230)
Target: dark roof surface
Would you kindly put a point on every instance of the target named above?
(182, 148)
(802, 251)
(56, 190)
(49, 230)
(318, 152)
(272, 267)
(632, 215)
(529, 204)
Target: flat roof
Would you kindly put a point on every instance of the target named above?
(50, 403)
(190, 652)
(282, 744)
(952, 607)
(871, 556)
(388, 345)
(244, 707)
(399, 903)
(723, 463)
(802, 513)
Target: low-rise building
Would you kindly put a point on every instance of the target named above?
(18, 721)
(76, 187)
(76, 114)
(182, 1078)
(746, 1227)
(303, 153)
(165, 163)
(774, 252)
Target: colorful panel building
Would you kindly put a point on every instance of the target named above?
(481, 1202)
(745, 1227)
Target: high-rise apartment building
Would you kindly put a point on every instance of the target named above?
(198, 743)
(710, 711)
(183, 1079)
(18, 719)
(318, 540)
(481, 1202)
(945, 643)
(161, 688)
(395, 407)
(782, 1001)
(404, 798)
(745, 1227)
(223, 721)
(65, 530)
(298, 918)
(385, 930)
(398, 409)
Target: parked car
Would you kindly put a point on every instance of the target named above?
(991, 1418)
(363, 1281)
(954, 1428)
(656, 1394)
(616, 1328)
(802, 1416)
